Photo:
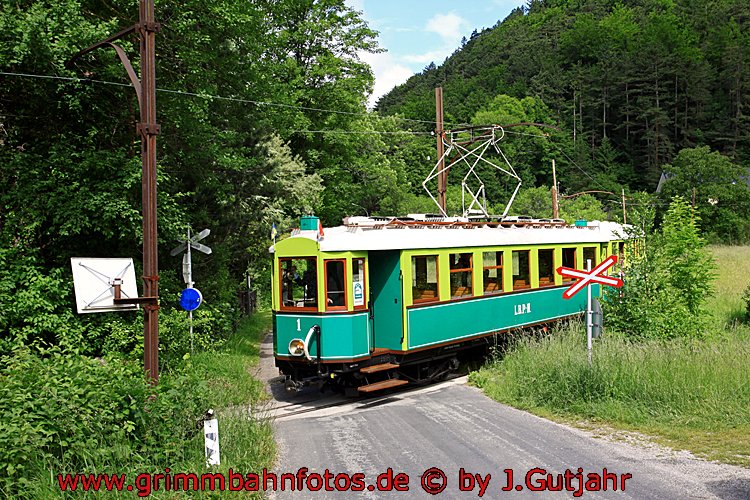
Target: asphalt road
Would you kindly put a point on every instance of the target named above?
(452, 427)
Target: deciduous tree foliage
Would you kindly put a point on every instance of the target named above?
(718, 187)
(239, 84)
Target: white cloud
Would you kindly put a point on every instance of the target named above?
(387, 72)
(436, 56)
(448, 26)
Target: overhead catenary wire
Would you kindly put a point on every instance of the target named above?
(361, 132)
(210, 96)
(578, 166)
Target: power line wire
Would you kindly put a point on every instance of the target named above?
(209, 96)
(523, 133)
(578, 166)
(361, 132)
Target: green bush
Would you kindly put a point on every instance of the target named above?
(63, 412)
(35, 304)
(666, 283)
(212, 325)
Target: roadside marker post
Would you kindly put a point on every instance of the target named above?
(211, 439)
(586, 279)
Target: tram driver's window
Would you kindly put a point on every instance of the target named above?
(521, 271)
(461, 279)
(546, 267)
(335, 289)
(424, 278)
(299, 283)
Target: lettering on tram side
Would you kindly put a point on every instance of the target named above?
(522, 308)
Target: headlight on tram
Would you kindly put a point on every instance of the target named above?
(297, 347)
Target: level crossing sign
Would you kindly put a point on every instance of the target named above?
(589, 277)
(586, 278)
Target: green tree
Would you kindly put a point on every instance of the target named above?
(70, 175)
(722, 196)
(690, 267)
(537, 203)
(666, 281)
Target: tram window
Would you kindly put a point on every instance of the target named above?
(461, 280)
(617, 255)
(299, 283)
(335, 289)
(493, 272)
(424, 278)
(546, 267)
(521, 269)
(589, 253)
(358, 283)
(568, 260)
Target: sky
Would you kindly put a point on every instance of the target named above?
(418, 32)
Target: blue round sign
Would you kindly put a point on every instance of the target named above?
(190, 299)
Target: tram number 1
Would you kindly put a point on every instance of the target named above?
(299, 328)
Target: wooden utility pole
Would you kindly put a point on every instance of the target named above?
(555, 206)
(439, 132)
(148, 129)
(624, 214)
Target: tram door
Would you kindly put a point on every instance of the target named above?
(386, 299)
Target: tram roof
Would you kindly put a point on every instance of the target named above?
(414, 237)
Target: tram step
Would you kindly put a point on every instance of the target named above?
(385, 384)
(378, 368)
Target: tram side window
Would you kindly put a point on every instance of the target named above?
(589, 253)
(461, 280)
(493, 272)
(546, 267)
(424, 278)
(569, 260)
(616, 254)
(335, 289)
(299, 283)
(521, 271)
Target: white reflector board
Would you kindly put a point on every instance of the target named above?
(93, 280)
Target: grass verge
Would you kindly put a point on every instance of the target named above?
(692, 395)
(732, 277)
(247, 443)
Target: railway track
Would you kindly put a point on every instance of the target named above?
(315, 407)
